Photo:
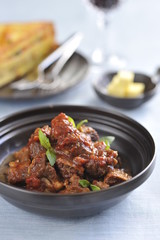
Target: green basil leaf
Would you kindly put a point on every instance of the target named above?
(84, 183)
(44, 141)
(94, 187)
(81, 123)
(51, 156)
(71, 121)
(108, 140)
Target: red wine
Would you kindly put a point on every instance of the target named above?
(104, 4)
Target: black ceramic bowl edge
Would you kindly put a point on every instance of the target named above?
(111, 195)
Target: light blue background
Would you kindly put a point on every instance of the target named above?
(135, 34)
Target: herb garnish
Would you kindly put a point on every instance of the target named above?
(84, 183)
(94, 187)
(44, 141)
(51, 156)
(71, 120)
(81, 123)
(108, 140)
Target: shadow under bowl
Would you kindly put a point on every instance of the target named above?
(100, 85)
(133, 142)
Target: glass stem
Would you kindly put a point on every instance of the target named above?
(101, 50)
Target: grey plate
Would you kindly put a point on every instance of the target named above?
(73, 72)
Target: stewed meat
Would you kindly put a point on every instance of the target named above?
(89, 131)
(65, 159)
(67, 168)
(115, 176)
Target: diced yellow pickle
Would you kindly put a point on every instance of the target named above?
(135, 89)
(116, 90)
(123, 85)
(115, 80)
(126, 76)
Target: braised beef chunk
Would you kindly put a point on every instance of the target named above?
(22, 155)
(89, 131)
(95, 168)
(50, 172)
(78, 156)
(67, 168)
(37, 167)
(48, 182)
(101, 185)
(72, 185)
(47, 130)
(33, 183)
(34, 146)
(70, 141)
(18, 171)
(35, 149)
(61, 127)
(116, 176)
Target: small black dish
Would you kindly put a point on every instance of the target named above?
(127, 103)
(133, 142)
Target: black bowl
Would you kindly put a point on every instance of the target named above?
(132, 140)
(125, 103)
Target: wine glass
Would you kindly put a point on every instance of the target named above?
(103, 9)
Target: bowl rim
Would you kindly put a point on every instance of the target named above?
(92, 108)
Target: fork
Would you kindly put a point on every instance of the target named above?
(60, 56)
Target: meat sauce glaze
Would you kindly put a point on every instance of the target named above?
(83, 163)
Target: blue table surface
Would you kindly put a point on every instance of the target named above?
(133, 32)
